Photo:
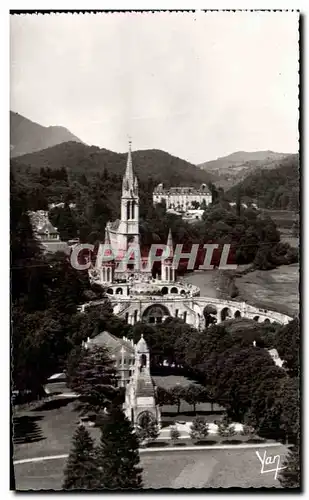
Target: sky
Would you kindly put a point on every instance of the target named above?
(197, 85)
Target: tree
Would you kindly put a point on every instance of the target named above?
(238, 202)
(192, 394)
(287, 343)
(290, 476)
(147, 428)
(174, 433)
(117, 454)
(163, 396)
(177, 394)
(199, 428)
(91, 374)
(81, 472)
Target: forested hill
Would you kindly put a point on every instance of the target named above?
(277, 188)
(81, 159)
(230, 170)
(27, 136)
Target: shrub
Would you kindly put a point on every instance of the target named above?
(226, 430)
(174, 433)
(247, 430)
(199, 428)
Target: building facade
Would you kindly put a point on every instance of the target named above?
(182, 198)
(132, 364)
(42, 227)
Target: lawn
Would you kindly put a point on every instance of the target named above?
(181, 469)
(47, 430)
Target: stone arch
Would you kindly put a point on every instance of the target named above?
(174, 289)
(110, 291)
(237, 314)
(155, 313)
(164, 290)
(210, 313)
(256, 318)
(266, 320)
(225, 313)
(182, 292)
(119, 291)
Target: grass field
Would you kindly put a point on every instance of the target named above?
(47, 430)
(277, 289)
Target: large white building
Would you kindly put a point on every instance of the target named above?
(182, 198)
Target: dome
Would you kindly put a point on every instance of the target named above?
(141, 345)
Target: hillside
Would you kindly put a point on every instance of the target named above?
(277, 188)
(229, 170)
(79, 159)
(27, 136)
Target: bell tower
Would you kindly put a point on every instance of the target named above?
(140, 392)
(128, 231)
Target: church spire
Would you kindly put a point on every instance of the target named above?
(170, 243)
(128, 180)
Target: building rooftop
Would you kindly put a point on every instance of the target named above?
(112, 343)
(56, 246)
(203, 189)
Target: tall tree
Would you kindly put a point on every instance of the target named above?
(81, 471)
(92, 375)
(287, 343)
(117, 454)
(290, 477)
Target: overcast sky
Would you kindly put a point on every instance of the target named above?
(196, 85)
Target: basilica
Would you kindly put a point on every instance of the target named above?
(136, 295)
(133, 277)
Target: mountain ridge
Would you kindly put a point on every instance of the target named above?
(27, 136)
(79, 159)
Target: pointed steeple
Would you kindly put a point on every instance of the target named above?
(107, 240)
(170, 243)
(128, 179)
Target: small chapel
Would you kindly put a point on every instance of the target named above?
(140, 398)
(132, 362)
